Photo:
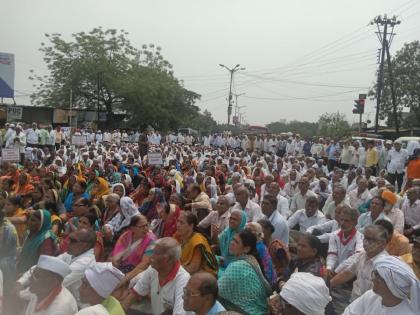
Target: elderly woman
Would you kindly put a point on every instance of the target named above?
(40, 240)
(165, 226)
(243, 287)
(308, 256)
(134, 247)
(122, 219)
(150, 205)
(263, 254)
(196, 253)
(396, 290)
(237, 222)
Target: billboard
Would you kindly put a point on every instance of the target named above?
(7, 75)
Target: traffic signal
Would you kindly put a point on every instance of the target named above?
(359, 107)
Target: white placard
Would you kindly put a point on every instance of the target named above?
(11, 155)
(14, 113)
(154, 158)
(79, 140)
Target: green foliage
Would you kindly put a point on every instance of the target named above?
(203, 122)
(137, 81)
(333, 125)
(303, 128)
(406, 69)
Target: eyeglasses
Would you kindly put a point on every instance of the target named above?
(190, 293)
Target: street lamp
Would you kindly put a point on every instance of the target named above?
(232, 71)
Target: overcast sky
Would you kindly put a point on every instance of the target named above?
(302, 57)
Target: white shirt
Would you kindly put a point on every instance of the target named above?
(32, 136)
(63, 304)
(169, 295)
(327, 228)
(411, 213)
(281, 229)
(300, 217)
(356, 201)
(371, 304)
(283, 206)
(299, 200)
(339, 251)
(252, 210)
(397, 161)
(98, 309)
(360, 266)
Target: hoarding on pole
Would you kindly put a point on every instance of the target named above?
(7, 75)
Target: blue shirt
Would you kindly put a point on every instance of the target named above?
(216, 308)
(331, 152)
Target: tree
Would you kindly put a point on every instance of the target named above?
(406, 70)
(94, 67)
(333, 125)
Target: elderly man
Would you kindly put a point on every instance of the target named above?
(299, 198)
(281, 229)
(99, 282)
(395, 215)
(396, 290)
(308, 216)
(244, 203)
(46, 293)
(411, 210)
(199, 199)
(304, 293)
(163, 281)
(338, 198)
(200, 295)
(219, 219)
(360, 195)
(282, 202)
(376, 212)
(78, 257)
(361, 264)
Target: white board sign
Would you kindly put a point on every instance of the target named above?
(11, 155)
(78, 140)
(14, 113)
(155, 158)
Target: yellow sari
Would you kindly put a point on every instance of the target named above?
(198, 245)
(100, 190)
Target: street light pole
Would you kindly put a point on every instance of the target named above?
(231, 71)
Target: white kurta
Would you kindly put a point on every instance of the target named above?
(63, 304)
(94, 310)
(371, 304)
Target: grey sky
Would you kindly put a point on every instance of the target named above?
(284, 46)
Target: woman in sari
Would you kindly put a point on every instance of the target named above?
(243, 287)
(237, 222)
(196, 254)
(308, 257)
(8, 248)
(141, 192)
(78, 191)
(263, 254)
(40, 240)
(134, 247)
(17, 216)
(100, 188)
(150, 205)
(118, 189)
(23, 186)
(165, 226)
(122, 219)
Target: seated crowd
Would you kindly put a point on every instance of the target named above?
(215, 229)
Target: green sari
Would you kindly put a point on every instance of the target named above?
(113, 306)
(243, 288)
(30, 251)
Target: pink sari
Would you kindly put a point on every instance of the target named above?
(130, 252)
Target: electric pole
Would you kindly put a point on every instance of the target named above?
(385, 38)
(237, 106)
(232, 72)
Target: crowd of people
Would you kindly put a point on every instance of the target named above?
(274, 224)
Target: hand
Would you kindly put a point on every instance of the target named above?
(330, 274)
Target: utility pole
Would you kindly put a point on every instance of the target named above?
(237, 107)
(232, 72)
(383, 22)
(71, 105)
